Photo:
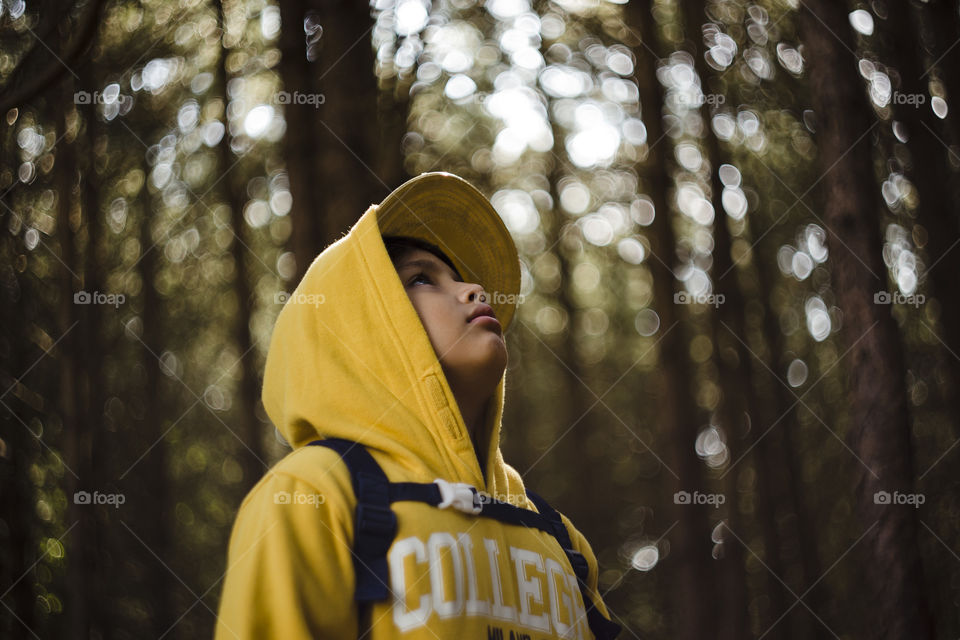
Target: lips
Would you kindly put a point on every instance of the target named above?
(483, 314)
(482, 310)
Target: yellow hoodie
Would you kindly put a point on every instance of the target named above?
(350, 359)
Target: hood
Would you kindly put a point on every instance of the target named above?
(349, 358)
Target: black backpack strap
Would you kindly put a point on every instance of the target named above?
(601, 627)
(375, 525)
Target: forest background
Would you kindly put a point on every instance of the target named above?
(736, 361)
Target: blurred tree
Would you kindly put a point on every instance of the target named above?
(879, 420)
(84, 345)
(19, 445)
(158, 534)
(73, 385)
(929, 168)
(153, 468)
(785, 446)
(694, 595)
(938, 33)
(575, 379)
(734, 382)
(330, 97)
(73, 30)
(250, 428)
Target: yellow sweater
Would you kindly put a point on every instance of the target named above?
(350, 359)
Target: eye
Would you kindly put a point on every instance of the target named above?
(420, 277)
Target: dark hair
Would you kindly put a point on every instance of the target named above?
(400, 246)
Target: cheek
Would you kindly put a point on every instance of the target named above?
(442, 326)
(449, 334)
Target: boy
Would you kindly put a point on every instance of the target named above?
(402, 519)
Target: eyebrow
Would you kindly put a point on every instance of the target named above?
(426, 264)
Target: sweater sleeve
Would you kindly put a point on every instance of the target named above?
(289, 569)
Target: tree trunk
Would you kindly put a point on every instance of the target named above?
(777, 488)
(392, 105)
(733, 409)
(17, 446)
(251, 429)
(331, 113)
(930, 172)
(879, 419)
(804, 541)
(82, 395)
(155, 471)
(690, 561)
(783, 450)
(577, 397)
(943, 20)
(734, 383)
(71, 401)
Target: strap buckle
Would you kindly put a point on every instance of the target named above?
(459, 495)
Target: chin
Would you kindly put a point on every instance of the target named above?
(485, 366)
(496, 358)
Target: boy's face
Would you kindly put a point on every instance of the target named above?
(465, 335)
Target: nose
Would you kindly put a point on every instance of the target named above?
(473, 292)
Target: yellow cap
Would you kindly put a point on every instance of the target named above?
(450, 213)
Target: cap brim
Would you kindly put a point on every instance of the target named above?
(450, 213)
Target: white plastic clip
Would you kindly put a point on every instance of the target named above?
(459, 495)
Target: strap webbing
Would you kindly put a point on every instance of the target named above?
(376, 526)
(415, 492)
